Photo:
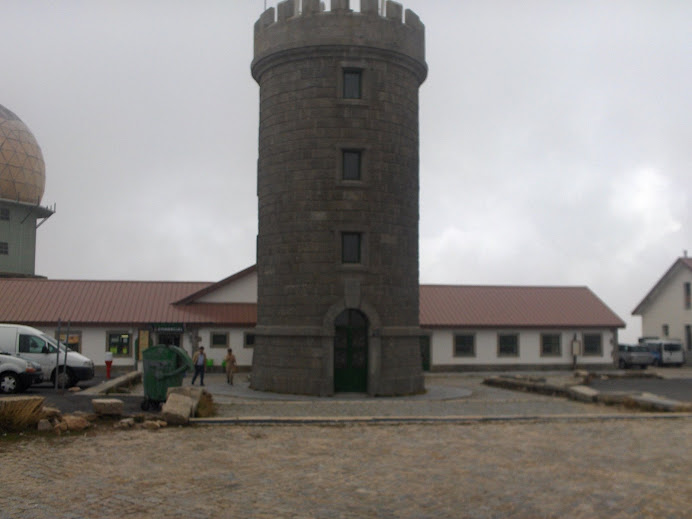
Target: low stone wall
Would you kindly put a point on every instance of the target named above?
(471, 368)
(578, 389)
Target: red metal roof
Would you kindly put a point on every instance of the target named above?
(513, 306)
(38, 301)
(42, 301)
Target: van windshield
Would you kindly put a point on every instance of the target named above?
(52, 343)
(671, 346)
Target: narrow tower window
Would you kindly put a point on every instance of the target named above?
(352, 84)
(688, 296)
(4, 213)
(351, 165)
(4, 248)
(350, 247)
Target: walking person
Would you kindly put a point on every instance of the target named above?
(199, 359)
(231, 365)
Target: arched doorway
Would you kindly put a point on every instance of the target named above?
(351, 352)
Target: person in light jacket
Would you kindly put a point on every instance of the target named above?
(231, 365)
(199, 359)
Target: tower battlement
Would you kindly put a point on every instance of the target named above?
(287, 28)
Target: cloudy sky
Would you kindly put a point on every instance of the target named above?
(556, 138)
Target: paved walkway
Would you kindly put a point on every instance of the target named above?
(544, 466)
(446, 395)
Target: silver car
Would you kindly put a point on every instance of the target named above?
(634, 355)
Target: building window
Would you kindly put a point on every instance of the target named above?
(666, 330)
(351, 247)
(688, 296)
(351, 164)
(119, 344)
(465, 345)
(352, 80)
(550, 345)
(593, 344)
(4, 248)
(4, 214)
(249, 340)
(219, 340)
(508, 345)
(73, 341)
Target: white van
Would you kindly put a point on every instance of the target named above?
(666, 351)
(31, 344)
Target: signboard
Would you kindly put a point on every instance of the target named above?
(168, 327)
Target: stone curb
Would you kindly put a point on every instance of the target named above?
(584, 393)
(649, 402)
(111, 385)
(404, 420)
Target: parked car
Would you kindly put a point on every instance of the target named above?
(33, 345)
(17, 374)
(665, 351)
(634, 355)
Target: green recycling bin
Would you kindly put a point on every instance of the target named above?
(164, 367)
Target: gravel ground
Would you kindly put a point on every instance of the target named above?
(540, 469)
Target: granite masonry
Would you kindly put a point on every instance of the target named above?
(338, 185)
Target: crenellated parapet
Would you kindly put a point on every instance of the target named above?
(295, 27)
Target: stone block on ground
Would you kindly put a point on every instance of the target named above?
(44, 425)
(108, 406)
(75, 422)
(19, 412)
(125, 423)
(192, 392)
(50, 413)
(583, 393)
(178, 409)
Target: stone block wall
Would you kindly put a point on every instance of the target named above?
(305, 204)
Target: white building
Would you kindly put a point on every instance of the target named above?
(666, 311)
(469, 327)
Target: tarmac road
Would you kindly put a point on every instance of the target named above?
(675, 389)
(469, 397)
(70, 402)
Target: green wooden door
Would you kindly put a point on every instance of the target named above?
(425, 352)
(351, 352)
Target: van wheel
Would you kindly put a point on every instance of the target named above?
(9, 383)
(622, 364)
(65, 378)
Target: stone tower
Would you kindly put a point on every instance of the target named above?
(337, 183)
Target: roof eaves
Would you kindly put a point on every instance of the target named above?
(651, 294)
(215, 286)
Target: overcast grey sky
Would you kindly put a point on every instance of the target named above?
(556, 138)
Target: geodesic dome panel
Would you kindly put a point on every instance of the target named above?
(22, 169)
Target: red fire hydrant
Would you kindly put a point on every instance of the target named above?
(109, 363)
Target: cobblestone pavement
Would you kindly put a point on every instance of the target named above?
(477, 399)
(539, 469)
(604, 464)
